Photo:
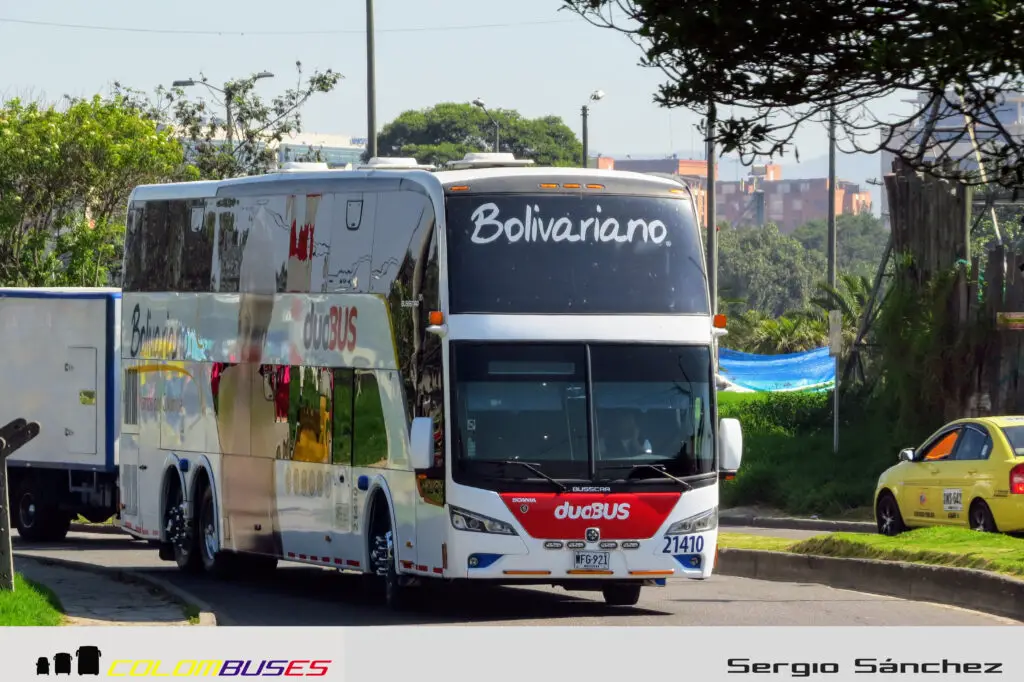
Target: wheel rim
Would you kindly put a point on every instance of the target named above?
(979, 519)
(27, 511)
(209, 531)
(887, 517)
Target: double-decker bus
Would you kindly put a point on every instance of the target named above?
(494, 372)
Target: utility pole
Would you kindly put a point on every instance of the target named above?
(712, 237)
(12, 437)
(835, 316)
(371, 84)
(832, 197)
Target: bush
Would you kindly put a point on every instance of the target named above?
(788, 461)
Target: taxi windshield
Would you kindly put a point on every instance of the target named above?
(1015, 435)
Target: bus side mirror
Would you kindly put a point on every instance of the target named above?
(421, 443)
(730, 445)
(907, 455)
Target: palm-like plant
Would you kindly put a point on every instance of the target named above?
(850, 297)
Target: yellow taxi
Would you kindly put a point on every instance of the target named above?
(969, 473)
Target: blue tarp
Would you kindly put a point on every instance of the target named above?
(812, 370)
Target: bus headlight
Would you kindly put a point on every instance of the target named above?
(695, 524)
(478, 523)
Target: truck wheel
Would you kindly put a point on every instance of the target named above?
(621, 595)
(35, 519)
(181, 536)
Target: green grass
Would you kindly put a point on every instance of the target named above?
(760, 542)
(30, 605)
(82, 520)
(935, 546)
(192, 614)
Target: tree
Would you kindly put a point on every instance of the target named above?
(779, 64)
(771, 272)
(65, 178)
(860, 241)
(450, 130)
(255, 125)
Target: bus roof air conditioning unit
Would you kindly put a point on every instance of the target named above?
(394, 163)
(297, 166)
(489, 160)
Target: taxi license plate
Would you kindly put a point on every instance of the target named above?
(592, 561)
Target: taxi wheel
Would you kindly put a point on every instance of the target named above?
(981, 518)
(888, 517)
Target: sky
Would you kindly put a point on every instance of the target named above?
(536, 59)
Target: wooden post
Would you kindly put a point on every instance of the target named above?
(12, 437)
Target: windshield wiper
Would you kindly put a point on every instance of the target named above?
(652, 467)
(534, 469)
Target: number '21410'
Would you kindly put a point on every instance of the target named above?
(676, 544)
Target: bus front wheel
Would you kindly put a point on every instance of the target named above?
(621, 595)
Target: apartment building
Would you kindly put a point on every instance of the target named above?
(762, 197)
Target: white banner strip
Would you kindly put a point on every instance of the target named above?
(486, 654)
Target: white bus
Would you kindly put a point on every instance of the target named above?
(493, 373)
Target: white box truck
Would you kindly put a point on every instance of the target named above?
(62, 369)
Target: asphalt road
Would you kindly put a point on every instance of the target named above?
(298, 595)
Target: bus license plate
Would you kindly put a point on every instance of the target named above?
(592, 561)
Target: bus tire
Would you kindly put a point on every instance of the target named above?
(181, 533)
(214, 561)
(622, 594)
(383, 562)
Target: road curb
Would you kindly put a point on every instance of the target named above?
(789, 523)
(207, 617)
(964, 587)
(103, 529)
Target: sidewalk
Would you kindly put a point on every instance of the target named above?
(757, 517)
(91, 598)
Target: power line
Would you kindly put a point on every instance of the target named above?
(416, 29)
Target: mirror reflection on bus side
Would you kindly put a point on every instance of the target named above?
(421, 443)
(730, 445)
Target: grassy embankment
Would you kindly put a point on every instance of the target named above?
(935, 546)
(29, 604)
(788, 462)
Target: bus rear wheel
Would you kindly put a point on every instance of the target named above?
(215, 561)
(621, 594)
(180, 534)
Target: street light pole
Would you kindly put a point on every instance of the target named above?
(497, 129)
(228, 91)
(371, 84)
(585, 112)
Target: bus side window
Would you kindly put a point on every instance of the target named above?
(197, 251)
(309, 414)
(343, 396)
(227, 269)
(369, 435)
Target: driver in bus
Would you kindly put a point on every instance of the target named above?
(624, 439)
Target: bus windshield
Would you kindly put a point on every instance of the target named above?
(565, 254)
(581, 411)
